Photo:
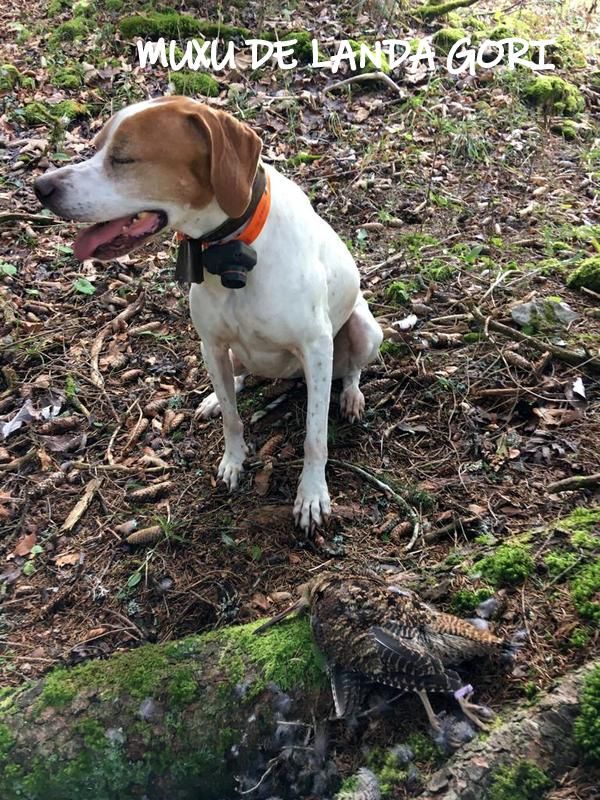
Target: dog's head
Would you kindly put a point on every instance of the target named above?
(166, 162)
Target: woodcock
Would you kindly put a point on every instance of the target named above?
(372, 632)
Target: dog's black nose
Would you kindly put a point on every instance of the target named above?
(44, 187)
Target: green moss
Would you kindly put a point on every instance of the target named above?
(173, 25)
(581, 524)
(579, 637)
(384, 765)
(302, 48)
(445, 39)
(585, 541)
(587, 725)
(100, 767)
(565, 128)
(70, 78)
(586, 275)
(585, 591)
(554, 95)
(39, 113)
(347, 789)
(92, 733)
(303, 158)
(524, 781)
(465, 601)
(424, 750)
(182, 687)
(10, 77)
(195, 83)
(55, 7)
(565, 52)
(70, 30)
(287, 656)
(508, 565)
(58, 690)
(82, 8)
(7, 742)
(393, 349)
(557, 563)
(364, 51)
(399, 292)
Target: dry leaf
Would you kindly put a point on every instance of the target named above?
(262, 480)
(24, 545)
(68, 559)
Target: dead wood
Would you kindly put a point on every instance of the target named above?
(542, 734)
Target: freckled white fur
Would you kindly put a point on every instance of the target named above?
(301, 312)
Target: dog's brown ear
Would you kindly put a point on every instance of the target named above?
(101, 137)
(234, 153)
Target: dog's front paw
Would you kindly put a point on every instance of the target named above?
(230, 468)
(352, 403)
(209, 407)
(312, 506)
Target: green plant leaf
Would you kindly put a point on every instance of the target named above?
(134, 579)
(84, 286)
(7, 269)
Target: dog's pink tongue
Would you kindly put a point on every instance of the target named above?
(89, 239)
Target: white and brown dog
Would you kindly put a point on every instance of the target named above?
(175, 162)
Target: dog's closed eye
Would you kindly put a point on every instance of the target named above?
(121, 160)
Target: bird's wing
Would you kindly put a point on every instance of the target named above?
(408, 664)
(348, 690)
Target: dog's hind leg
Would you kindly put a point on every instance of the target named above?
(355, 346)
(210, 406)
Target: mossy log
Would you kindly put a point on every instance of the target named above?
(541, 735)
(432, 10)
(196, 718)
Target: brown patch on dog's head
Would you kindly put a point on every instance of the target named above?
(179, 150)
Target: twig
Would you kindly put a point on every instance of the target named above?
(116, 324)
(367, 76)
(383, 487)
(437, 533)
(574, 482)
(387, 263)
(35, 219)
(562, 353)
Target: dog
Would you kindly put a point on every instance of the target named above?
(176, 163)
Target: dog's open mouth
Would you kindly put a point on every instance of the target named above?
(112, 239)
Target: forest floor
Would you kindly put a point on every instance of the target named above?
(457, 199)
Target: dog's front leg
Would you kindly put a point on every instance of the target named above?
(218, 365)
(312, 506)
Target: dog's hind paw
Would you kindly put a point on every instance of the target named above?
(312, 507)
(209, 407)
(352, 403)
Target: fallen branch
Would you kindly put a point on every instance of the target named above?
(80, 507)
(562, 353)
(385, 488)
(574, 482)
(431, 11)
(367, 76)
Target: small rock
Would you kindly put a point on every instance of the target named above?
(543, 313)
